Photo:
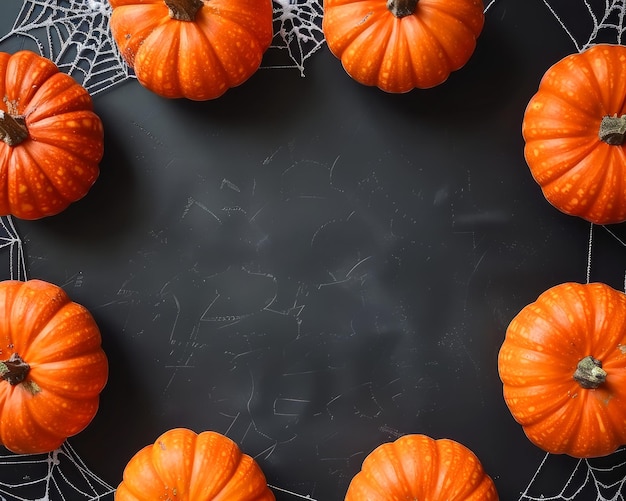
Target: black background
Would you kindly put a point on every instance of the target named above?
(314, 267)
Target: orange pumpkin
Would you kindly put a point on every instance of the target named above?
(399, 45)
(419, 467)
(196, 49)
(51, 141)
(196, 467)
(574, 130)
(52, 367)
(563, 369)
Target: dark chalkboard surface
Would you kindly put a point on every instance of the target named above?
(310, 266)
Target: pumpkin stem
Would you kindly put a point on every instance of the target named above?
(12, 129)
(613, 129)
(589, 373)
(402, 8)
(14, 370)
(184, 10)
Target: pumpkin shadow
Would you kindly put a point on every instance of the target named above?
(478, 92)
(267, 101)
(108, 211)
(494, 86)
(126, 412)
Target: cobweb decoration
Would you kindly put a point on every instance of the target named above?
(11, 243)
(589, 479)
(58, 476)
(75, 35)
(297, 31)
(588, 22)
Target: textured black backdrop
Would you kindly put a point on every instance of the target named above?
(314, 267)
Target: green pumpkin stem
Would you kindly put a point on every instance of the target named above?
(184, 10)
(613, 130)
(589, 373)
(402, 8)
(12, 129)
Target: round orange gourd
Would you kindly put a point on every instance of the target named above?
(182, 465)
(418, 467)
(574, 130)
(563, 369)
(196, 49)
(52, 366)
(51, 141)
(399, 45)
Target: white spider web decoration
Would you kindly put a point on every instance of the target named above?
(588, 22)
(297, 31)
(588, 479)
(11, 243)
(61, 474)
(58, 476)
(75, 35)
